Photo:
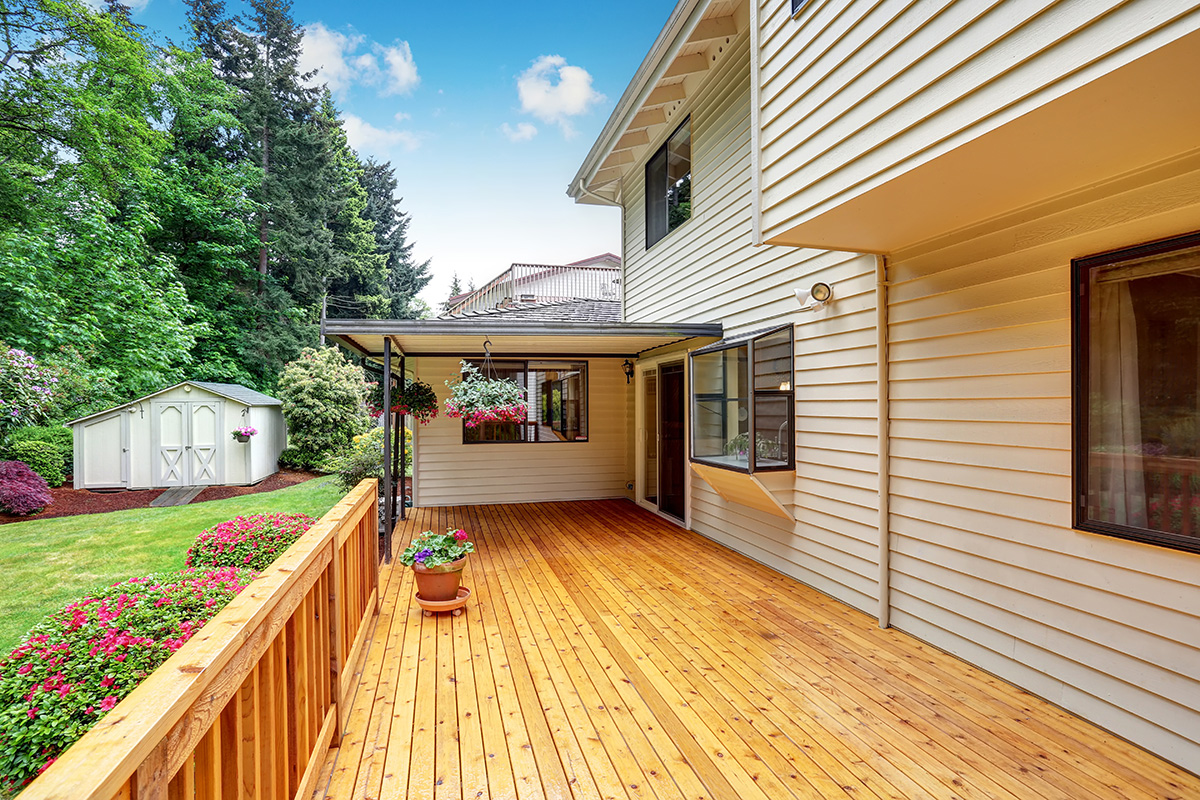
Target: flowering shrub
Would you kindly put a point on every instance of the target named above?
(22, 491)
(364, 459)
(42, 457)
(81, 661)
(419, 401)
(245, 430)
(254, 541)
(477, 398)
(26, 389)
(324, 402)
(434, 549)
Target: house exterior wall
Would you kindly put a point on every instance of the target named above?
(854, 94)
(707, 270)
(448, 472)
(985, 563)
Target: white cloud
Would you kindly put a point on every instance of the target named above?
(365, 137)
(401, 116)
(522, 133)
(330, 53)
(335, 57)
(402, 75)
(554, 91)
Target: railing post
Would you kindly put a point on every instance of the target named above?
(337, 652)
(150, 780)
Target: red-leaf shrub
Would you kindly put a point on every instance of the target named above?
(81, 661)
(254, 541)
(22, 491)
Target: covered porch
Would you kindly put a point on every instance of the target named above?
(607, 653)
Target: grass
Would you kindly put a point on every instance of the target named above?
(46, 563)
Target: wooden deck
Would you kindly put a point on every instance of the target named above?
(608, 654)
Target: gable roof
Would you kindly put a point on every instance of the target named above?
(230, 391)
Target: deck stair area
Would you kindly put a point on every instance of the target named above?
(607, 653)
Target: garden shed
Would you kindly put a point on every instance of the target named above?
(180, 436)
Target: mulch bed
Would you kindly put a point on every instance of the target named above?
(68, 502)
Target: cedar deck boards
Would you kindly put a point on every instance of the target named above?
(608, 654)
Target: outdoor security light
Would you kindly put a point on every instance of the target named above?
(815, 297)
(628, 367)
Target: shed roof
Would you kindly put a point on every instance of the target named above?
(230, 391)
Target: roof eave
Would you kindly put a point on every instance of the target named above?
(683, 20)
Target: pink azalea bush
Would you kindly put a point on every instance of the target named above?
(250, 542)
(77, 664)
(22, 491)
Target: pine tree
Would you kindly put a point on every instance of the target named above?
(455, 291)
(405, 277)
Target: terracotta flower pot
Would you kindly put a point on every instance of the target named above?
(441, 582)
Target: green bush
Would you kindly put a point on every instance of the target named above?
(364, 459)
(42, 457)
(57, 435)
(298, 458)
(324, 401)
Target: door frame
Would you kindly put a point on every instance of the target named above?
(642, 367)
(80, 470)
(185, 458)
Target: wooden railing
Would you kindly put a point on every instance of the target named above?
(250, 706)
(1168, 484)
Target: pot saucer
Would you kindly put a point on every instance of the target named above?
(455, 605)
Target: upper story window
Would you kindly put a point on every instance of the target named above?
(669, 185)
(797, 5)
(556, 392)
(742, 393)
(1137, 393)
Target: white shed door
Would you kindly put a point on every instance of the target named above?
(104, 461)
(204, 456)
(171, 442)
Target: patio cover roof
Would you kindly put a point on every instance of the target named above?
(465, 337)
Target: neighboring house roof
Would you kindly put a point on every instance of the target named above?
(230, 391)
(605, 259)
(561, 311)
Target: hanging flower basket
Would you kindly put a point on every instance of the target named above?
(417, 401)
(244, 433)
(478, 398)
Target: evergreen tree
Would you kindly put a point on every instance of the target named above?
(405, 277)
(455, 291)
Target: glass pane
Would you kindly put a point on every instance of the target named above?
(1143, 446)
(773, 430)
(656, 197)
(721, 407)
(558, 401)
(679, 176)
(773, 361)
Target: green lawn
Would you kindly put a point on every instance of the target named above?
(46, 563)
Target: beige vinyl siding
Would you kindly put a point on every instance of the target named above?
(985, 562)
(449, 472)
(855, 94)
(708, 271)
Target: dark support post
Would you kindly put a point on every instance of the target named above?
(388, 494)
(402, 446)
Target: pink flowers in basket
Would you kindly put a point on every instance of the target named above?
(478, 398)
(514, 413)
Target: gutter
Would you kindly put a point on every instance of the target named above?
(679, 27)
(883, 440)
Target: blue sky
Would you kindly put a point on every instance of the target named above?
(485, 109)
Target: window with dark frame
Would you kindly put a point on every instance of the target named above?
(556, 392)
(742, 394)
(669, 185)
(1136, 345)
(797, 5)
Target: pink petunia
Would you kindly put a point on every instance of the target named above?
(107, 703)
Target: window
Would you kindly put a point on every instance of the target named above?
(669, 185)
(797, 5)
(556, 392)
(1137, 393)
(739, 388)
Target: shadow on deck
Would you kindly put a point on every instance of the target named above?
(607, 653)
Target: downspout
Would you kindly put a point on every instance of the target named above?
(884, 441)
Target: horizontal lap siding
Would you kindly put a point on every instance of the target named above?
(449, 472)
(708, 271)
(854, 94)
(985, 562)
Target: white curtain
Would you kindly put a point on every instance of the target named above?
(1116, 482)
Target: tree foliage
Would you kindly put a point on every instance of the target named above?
(180, 211)
(324, 401)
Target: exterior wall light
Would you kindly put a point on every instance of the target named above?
(811, 299)
(628, 367)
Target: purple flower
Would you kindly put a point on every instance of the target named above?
(421, 556)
